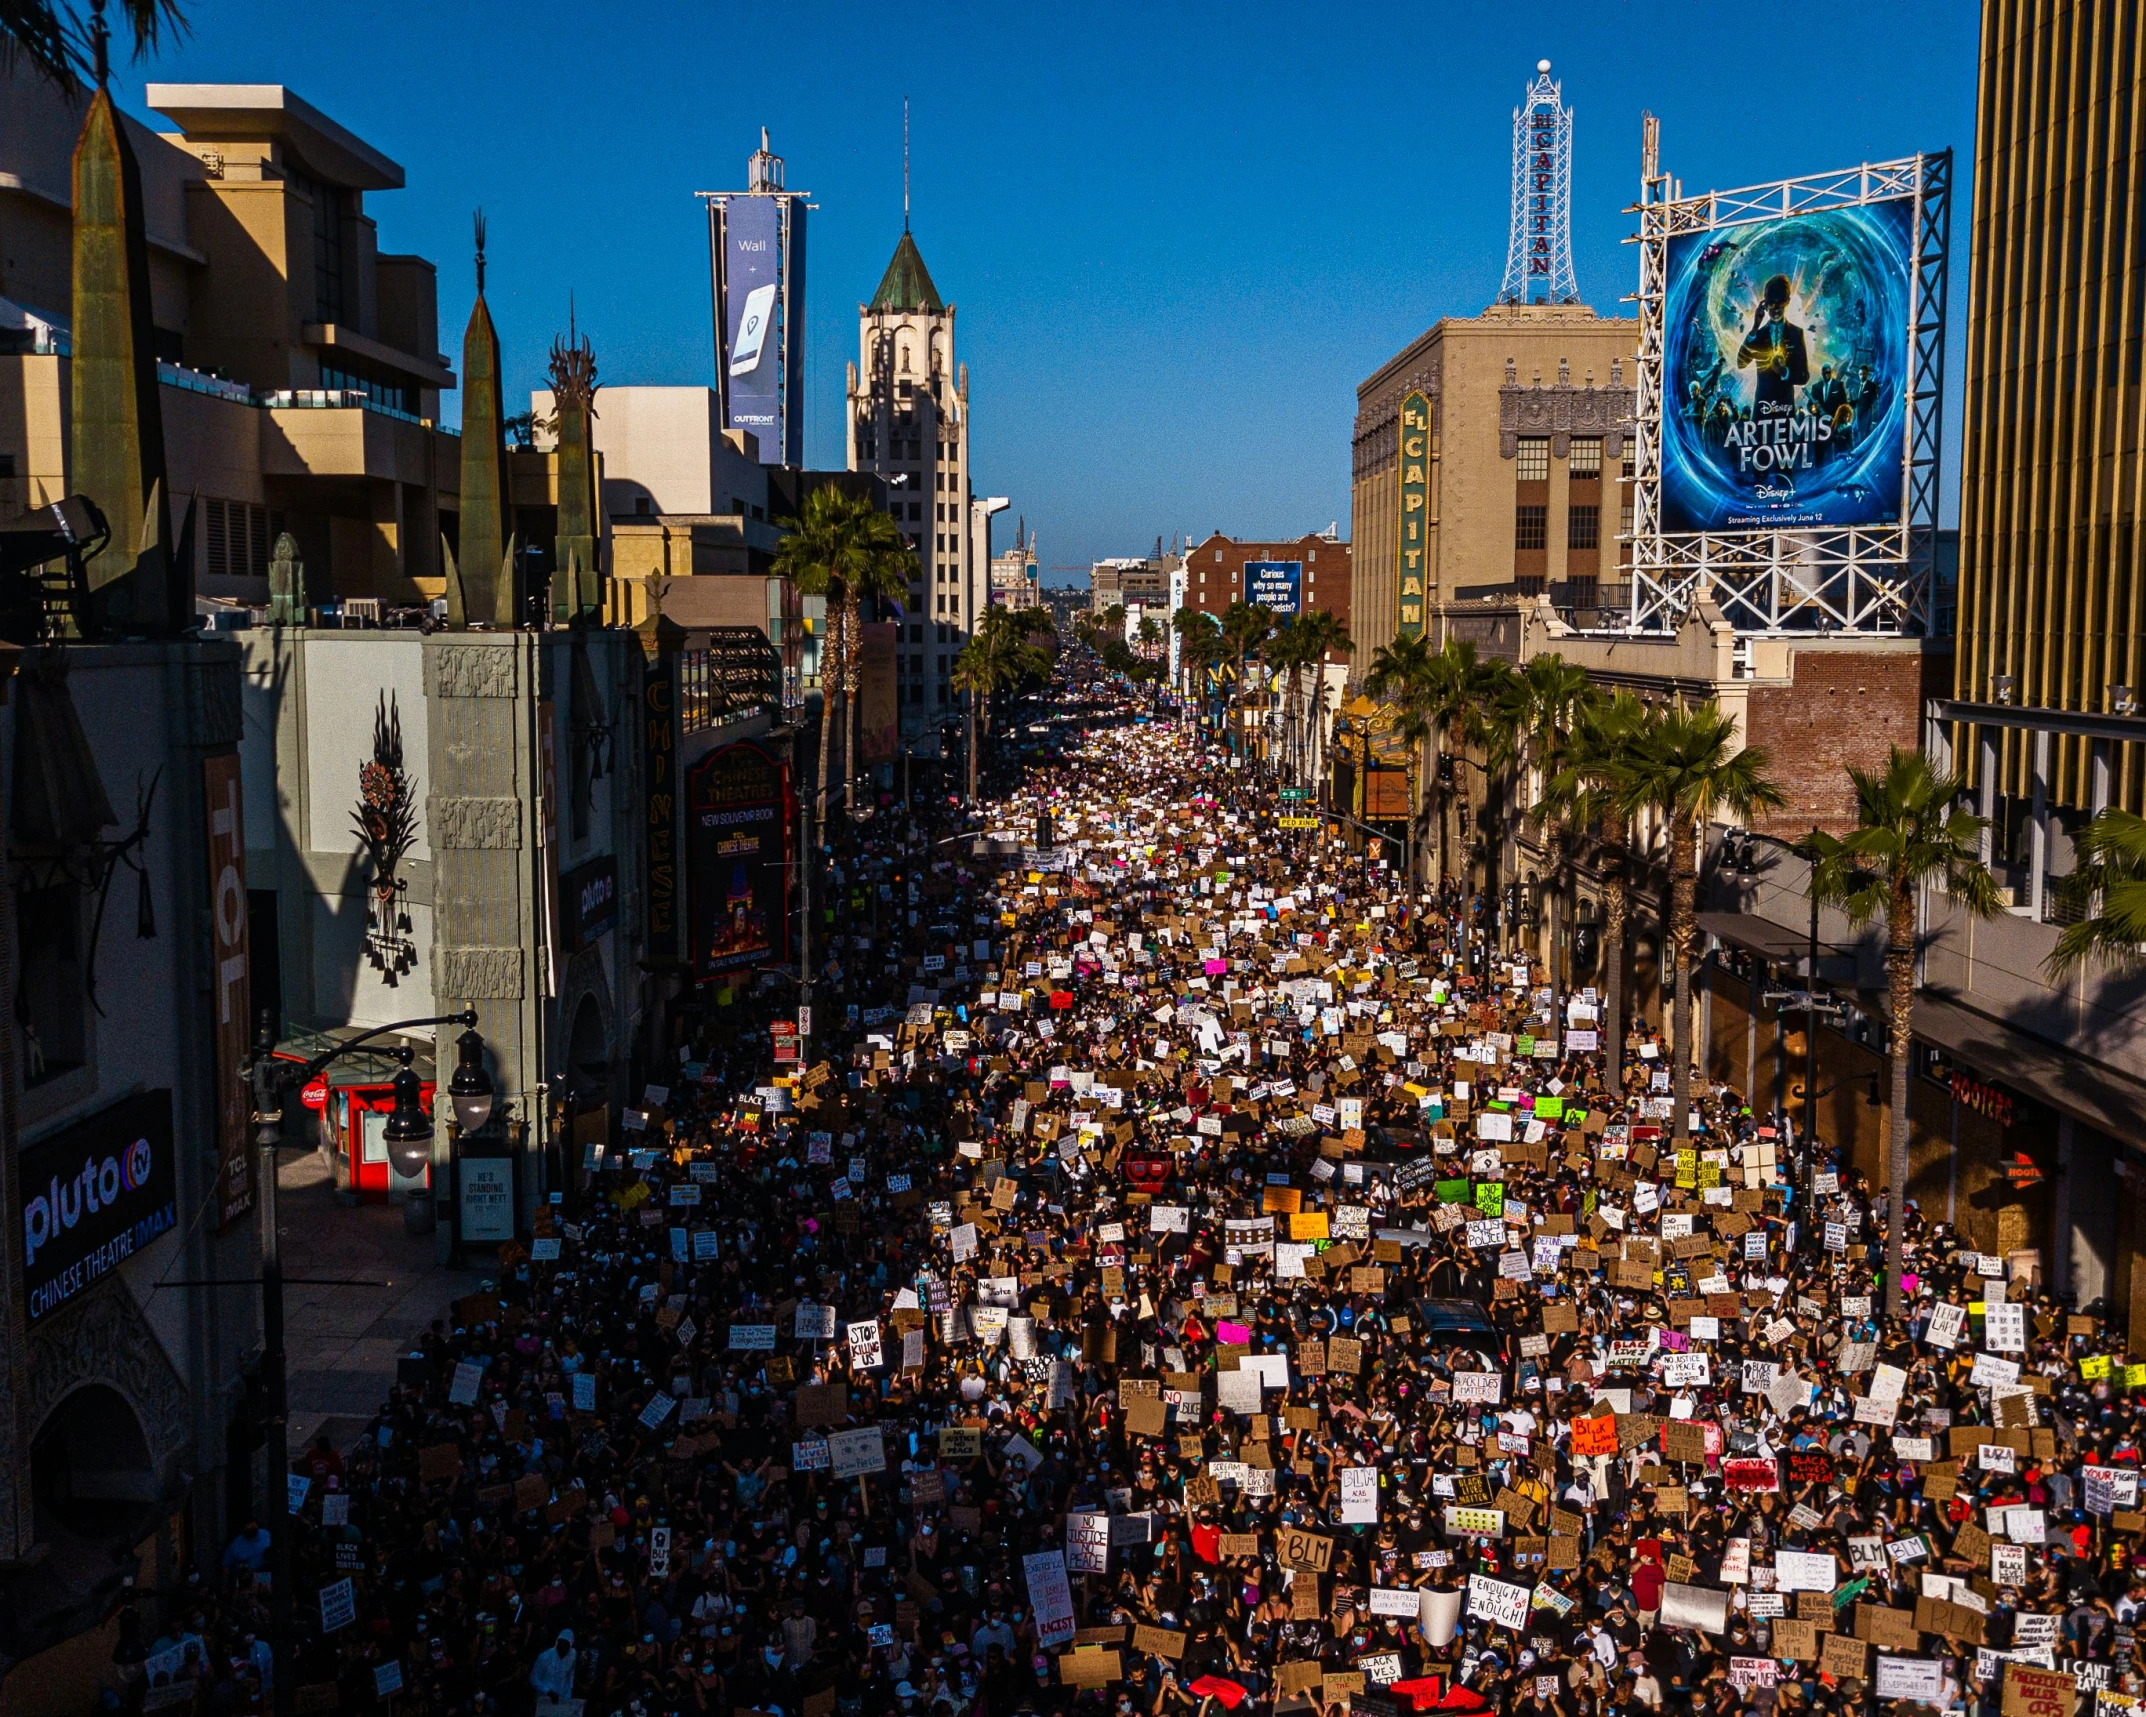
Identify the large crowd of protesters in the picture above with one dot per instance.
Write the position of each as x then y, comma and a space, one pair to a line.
1188, 1269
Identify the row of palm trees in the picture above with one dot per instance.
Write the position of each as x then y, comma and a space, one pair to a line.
1294, 649
1611, 774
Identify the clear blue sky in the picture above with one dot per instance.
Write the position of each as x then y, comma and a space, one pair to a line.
1178, 234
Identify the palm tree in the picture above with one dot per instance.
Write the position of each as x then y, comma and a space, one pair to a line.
1439, 695
1683, 766
888, 568
1585, 792
1322, 636
831, 551
998, 656
1245, 630
1199, 637
1533, 720
1909, 833
2110, 883
54, 41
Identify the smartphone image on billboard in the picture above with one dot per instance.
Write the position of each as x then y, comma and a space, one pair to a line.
751, 342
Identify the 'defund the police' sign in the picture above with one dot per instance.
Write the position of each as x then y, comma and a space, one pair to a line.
93, 1196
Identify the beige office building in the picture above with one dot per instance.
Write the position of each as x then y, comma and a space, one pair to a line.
300, 363
1527, 461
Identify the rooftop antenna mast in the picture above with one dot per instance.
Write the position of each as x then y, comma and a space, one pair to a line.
1538, 255
905, 163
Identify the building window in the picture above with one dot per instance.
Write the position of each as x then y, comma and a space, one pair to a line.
390, 396
1630, 462
1586, 458
1583, 527
1624, 520
1531, 527
328, 208
1532, 463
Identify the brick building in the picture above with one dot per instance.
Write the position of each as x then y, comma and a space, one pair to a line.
1214, 571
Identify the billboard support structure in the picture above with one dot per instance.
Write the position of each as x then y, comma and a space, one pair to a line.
1870, 579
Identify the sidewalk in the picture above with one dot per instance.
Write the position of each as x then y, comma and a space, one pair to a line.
343, 1341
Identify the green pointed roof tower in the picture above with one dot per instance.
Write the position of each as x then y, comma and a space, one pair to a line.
907, 283
481, 580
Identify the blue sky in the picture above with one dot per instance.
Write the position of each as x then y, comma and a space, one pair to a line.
1178, 235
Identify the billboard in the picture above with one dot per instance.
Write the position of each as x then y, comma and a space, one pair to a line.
1785, 371
879, 694
752, 319
93, 1196
1275, 585
738, 851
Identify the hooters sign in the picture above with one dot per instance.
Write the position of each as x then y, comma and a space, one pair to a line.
228, 979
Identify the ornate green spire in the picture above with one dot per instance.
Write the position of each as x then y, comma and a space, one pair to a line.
140, 583
481, 581
907, 283
576, 586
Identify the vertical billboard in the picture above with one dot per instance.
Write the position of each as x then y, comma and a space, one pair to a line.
230, 956
1275, 585
738, 851
752, 319
879, 693
1785, 371
1414, 540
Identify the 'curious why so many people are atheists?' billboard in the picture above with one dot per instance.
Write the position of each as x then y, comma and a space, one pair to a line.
1785, 371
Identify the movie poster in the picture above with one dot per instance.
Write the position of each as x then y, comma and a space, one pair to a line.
1785, 371
738, 850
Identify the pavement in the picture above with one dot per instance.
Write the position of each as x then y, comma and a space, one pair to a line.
343, 1341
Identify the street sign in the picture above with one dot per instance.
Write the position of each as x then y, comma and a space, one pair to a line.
1295, 795
1296, 822
804, 1022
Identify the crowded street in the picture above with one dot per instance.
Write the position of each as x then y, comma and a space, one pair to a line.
1186, 1270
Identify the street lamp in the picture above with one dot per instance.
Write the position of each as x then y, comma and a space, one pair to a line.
470, 1091
409, 1141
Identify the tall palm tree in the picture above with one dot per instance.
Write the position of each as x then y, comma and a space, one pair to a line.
1586, 793
1199, 639
1441, 696
1909, 834
998, 656
1323, 636
1533, 719
1685, 768
2110, 885
1246, 628
55, 41
831, 551
888, 568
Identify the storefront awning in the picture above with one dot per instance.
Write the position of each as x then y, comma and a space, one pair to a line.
1780, 944
2103, 1098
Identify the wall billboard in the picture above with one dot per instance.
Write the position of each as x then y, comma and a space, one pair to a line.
93, 1196
1785, 371
753, 329
738, 834
1275, 585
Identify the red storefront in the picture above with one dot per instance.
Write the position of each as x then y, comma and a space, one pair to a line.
351, 1103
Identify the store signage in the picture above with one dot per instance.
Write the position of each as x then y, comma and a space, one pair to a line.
1415, 524
93, 1196
589, 902
233, 1025
1983, 1099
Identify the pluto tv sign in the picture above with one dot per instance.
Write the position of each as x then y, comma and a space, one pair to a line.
93, 1196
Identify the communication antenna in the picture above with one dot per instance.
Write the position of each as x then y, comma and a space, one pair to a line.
905, 163
1538, 254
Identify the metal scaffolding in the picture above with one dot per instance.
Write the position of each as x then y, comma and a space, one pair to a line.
1538, 255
